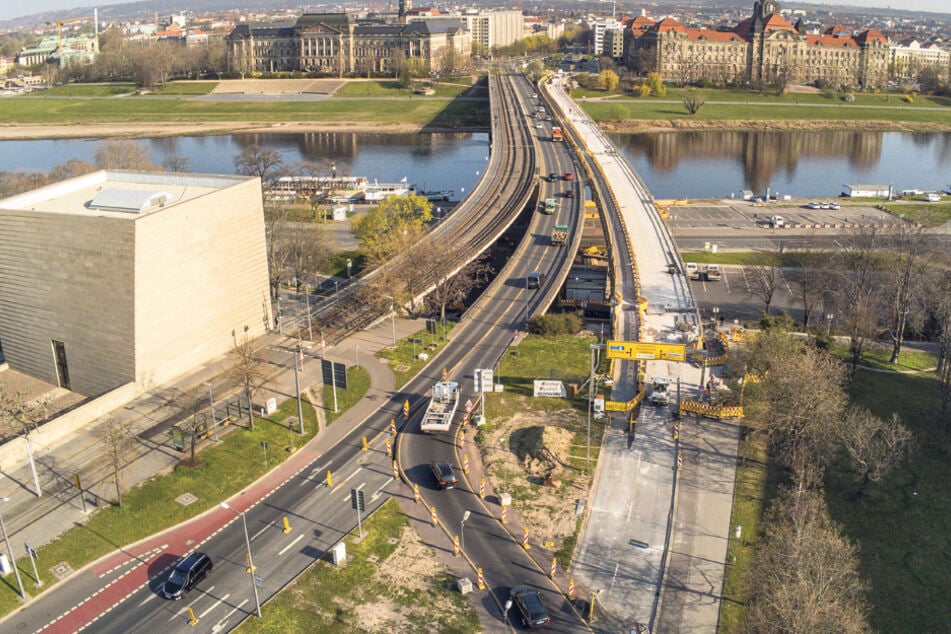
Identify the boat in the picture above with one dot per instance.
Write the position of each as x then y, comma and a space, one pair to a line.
438, 196
375, 192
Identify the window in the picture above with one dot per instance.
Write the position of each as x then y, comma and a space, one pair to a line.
62, 368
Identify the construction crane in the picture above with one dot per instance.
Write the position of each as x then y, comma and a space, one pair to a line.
59, 28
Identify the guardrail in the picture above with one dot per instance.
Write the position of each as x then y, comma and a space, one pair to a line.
706, 410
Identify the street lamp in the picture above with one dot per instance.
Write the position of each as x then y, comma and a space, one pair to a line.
13, 560
716, 315
462, 531
214, 423
349, 270
298, 355
247, 541
393, 318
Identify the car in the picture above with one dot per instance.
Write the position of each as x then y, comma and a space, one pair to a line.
186, 575
552, 176
445, 476
693, 271
529, 605
756, 199
825, 205
712, 274
834, 206
569, 176
814, 205
569, 193
539, 125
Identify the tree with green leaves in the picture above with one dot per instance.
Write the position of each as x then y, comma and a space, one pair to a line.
392, 226
608, 80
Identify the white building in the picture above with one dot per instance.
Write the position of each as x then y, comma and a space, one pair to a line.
912, 57
868, 191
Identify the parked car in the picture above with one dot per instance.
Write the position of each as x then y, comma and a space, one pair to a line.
813, 205
529, 605
693, 271
186, 575
833, 205
825, 205
713, 272
445, 476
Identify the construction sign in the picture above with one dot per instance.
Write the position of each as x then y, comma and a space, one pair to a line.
647, 351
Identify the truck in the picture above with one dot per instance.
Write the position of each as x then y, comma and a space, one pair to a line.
559, 236
556, 133
777, 222
660, 391
441, 408
550, 205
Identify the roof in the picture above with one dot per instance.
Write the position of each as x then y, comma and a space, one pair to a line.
130, 200
831, 40
669, 24
775, 22
871, 35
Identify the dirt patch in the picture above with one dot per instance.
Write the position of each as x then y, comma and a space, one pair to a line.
411, 566
530, 456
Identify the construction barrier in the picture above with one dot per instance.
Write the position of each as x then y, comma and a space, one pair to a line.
482, 488
571, 589
710, 411
554, 567
416, 496
480, 580
525, 543
503, 513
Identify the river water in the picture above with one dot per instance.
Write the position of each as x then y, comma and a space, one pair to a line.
673, 164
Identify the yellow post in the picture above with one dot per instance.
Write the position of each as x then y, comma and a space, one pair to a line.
416, 493
389, 448
192, 619
366, 445
406, 409
250, 568
287, 526
591, 617
330, 479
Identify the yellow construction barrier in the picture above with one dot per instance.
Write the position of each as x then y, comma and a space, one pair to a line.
710, 411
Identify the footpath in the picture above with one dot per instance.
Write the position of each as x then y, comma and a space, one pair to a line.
42, 519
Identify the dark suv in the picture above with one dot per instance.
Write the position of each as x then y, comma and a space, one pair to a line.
528, 602
186, 575
445, 476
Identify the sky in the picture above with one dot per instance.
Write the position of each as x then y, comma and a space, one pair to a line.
16, 8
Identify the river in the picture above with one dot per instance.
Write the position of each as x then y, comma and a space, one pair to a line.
707, 164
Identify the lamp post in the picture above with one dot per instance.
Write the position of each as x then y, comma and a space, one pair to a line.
211, 399
462, 531
336, 286
298, 353
829, 317
247, 541
716, 316
349, 270
13, 561
393, 318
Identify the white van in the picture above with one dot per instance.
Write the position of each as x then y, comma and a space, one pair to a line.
777, 222
933, 197
693, 271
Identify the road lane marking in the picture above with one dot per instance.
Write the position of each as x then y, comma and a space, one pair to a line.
313, 474
218, 602
376, 494
291, 545
233, 610
257, 534
147, 599
181, 612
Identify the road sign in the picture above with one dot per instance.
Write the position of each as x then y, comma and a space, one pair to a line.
484, 380
357, 501
30, 551
468, 406
334, 373
647, 351
258, 581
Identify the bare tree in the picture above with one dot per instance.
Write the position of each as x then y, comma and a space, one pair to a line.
763, 281
693, 102
277, 229
812, 266
939, 308
308, 247
875, 447
118, 440
453, 281
856, 291
263, 162
905, 265
248, 370
805, 576
123, 154
175, 163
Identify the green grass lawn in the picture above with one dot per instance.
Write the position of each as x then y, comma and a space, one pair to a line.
391, 88
927, 214
89, 90
563, 358
358, 382
334, 600
223, 470
186, 88
878, 356
406, 352
65, 111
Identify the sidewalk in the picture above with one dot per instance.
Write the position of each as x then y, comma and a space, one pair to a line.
40, 520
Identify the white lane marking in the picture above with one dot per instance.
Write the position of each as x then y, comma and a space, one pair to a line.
218, 602
147, 599
350, 476
291, 545
257, 534
376, 493
313, 474
233, 610
181, 612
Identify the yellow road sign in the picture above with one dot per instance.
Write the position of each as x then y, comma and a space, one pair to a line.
647, 351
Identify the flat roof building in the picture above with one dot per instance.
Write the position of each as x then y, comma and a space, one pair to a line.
116, 277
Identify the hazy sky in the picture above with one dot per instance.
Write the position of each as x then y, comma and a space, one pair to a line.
16, 8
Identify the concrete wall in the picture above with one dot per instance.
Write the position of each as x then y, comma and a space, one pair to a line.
69, 278
200, 274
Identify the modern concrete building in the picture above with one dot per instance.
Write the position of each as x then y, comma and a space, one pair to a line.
492, 29
120, 277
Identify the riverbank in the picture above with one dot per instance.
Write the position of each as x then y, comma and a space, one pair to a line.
629, 126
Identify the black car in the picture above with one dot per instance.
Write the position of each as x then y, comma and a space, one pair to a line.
445, 476
186, 575
529, 604
570, 193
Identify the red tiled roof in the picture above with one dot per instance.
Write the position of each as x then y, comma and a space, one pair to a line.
710, 35
669, 24
775, 22
872, 35
831, 40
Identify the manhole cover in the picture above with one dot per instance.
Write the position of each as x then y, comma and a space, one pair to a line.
392, 540
61, 570
402, 368
373, 559
186, 498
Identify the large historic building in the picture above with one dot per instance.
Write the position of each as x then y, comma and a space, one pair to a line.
115, 278
763, 49
337, 44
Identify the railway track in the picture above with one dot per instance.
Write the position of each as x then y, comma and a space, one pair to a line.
476, 224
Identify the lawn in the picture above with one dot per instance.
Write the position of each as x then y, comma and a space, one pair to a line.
223, 470
927, 214
333, 600
358, 382
186, 88
391, 88
739, 258
562, 358
89, 90
404, 359
879, 355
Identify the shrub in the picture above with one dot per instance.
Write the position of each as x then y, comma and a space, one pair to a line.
556, 324
781, 322
848, 98
907, 98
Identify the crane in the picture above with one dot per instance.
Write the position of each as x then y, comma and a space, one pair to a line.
59, 28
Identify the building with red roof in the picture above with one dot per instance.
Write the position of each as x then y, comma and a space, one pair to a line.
764, 49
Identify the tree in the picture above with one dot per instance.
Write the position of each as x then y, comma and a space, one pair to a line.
939, 309
411, 70
248, 370
308, 247
453, 284
763, 280
175, 163
805, 576
264, 162
277, 231
655, 84
905, 264
70, 169
392, 226
874, 447
608, 80
123, 154
811, 287
118, 441
693, 102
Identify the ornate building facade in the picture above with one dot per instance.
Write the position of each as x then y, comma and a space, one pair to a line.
336, 44
761, 50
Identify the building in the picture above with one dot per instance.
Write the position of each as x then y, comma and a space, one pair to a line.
67, 51
494, 29
119, 277
613, 42
910, 58
868, 191
337, 44
761, 50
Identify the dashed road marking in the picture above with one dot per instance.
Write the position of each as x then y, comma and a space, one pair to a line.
291, 545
